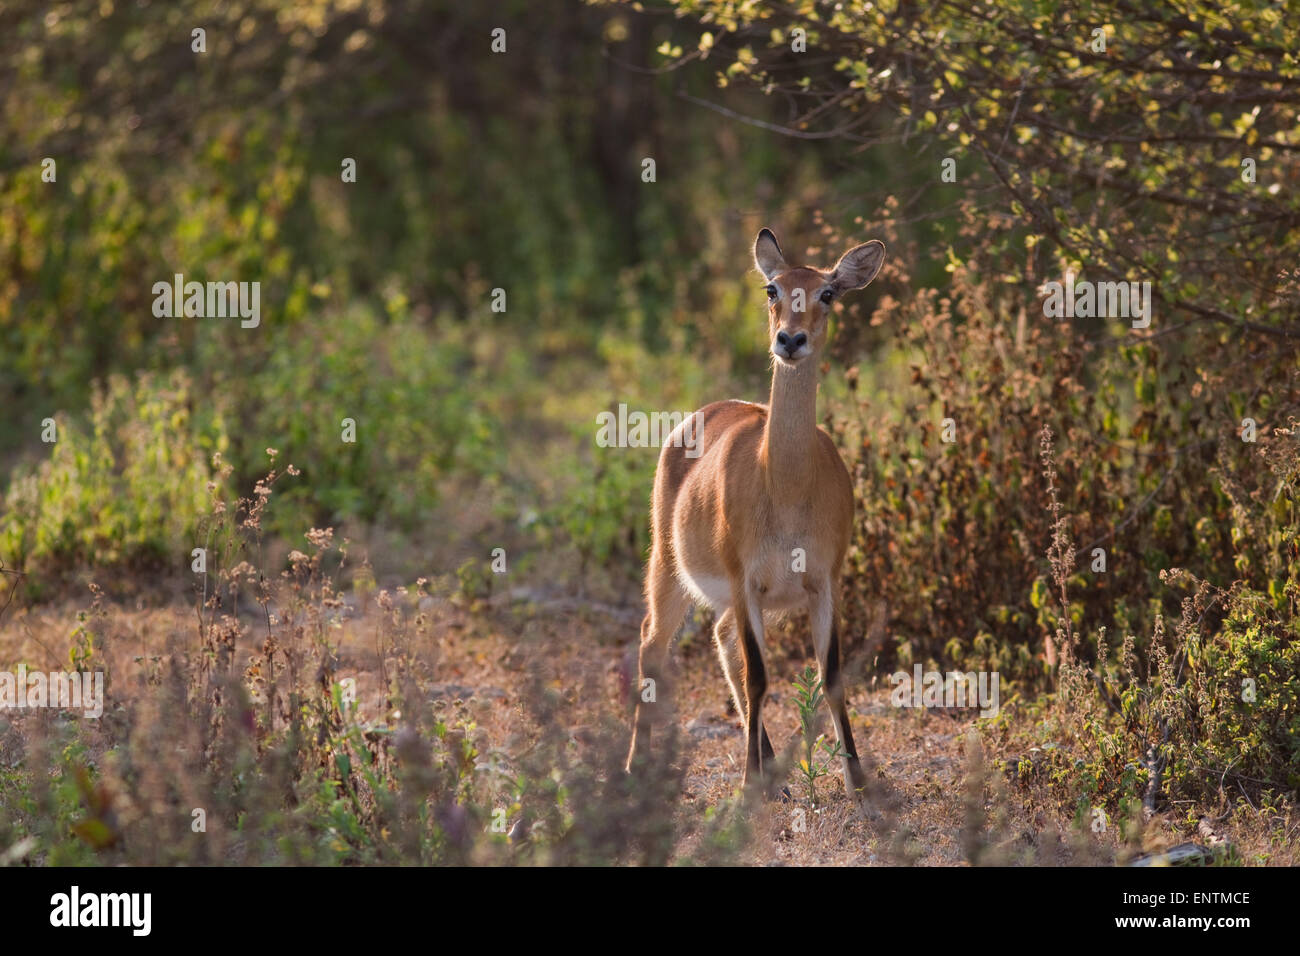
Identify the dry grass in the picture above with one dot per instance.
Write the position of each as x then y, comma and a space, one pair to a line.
480, 669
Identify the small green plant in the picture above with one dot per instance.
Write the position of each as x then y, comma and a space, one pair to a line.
818, 753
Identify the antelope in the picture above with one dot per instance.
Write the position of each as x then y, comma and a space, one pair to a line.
757, 517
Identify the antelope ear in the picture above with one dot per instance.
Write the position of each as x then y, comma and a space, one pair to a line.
858, 266
767, 255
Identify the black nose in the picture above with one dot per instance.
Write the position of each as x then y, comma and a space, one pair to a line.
791, 343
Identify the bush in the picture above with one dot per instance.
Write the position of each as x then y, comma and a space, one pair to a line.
1209, 711
412, 391
124, 488
951, 535
1241, 702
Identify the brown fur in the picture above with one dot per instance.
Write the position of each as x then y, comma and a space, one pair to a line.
766, 481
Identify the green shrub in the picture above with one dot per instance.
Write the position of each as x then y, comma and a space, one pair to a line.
124, 488
1211, 711
1242, 702
412, 391
951, 535
603, 519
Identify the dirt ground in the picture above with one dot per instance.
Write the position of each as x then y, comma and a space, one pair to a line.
483, 660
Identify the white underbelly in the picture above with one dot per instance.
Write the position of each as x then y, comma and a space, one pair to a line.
781, 594
714, 592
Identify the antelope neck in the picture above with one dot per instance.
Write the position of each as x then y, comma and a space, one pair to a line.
791, 431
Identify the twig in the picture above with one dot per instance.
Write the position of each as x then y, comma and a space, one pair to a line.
1155, 764
774, 127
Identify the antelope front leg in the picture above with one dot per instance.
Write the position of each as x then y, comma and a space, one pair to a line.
749, 625
826, 642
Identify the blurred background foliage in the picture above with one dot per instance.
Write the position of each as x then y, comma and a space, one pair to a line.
475, 171
522, 171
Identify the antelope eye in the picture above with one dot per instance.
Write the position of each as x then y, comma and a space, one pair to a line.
827, 295
771, 292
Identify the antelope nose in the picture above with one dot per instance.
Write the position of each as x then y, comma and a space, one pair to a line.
790, 344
